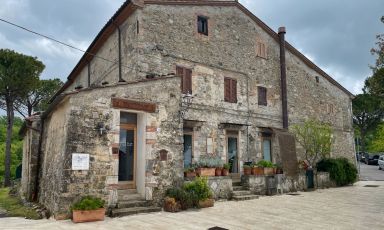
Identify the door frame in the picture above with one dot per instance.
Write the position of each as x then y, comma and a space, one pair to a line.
130, 184
231, 133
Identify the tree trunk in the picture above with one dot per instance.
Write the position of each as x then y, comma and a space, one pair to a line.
362, 140
7, 163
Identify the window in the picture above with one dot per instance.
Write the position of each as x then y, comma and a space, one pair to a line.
230, 90
317, 79
186, 79
262, 96
261, 49
202, 25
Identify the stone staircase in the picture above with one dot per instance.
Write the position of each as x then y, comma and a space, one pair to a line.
240, 193
130, 203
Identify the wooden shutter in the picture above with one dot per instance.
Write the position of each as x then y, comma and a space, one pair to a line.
262, 95
233, 91
227, 89
188, 81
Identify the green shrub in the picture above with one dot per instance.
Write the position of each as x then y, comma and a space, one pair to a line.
88, 203
265, 164
340, 170
181, 196
198, 189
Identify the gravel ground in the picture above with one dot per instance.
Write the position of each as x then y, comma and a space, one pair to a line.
351, 207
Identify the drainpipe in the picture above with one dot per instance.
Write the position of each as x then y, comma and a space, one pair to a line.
119, 41
283, 77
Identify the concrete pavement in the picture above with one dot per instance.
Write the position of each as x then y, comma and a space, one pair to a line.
371, 173
351, 207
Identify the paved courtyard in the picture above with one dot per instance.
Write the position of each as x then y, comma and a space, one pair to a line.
371, 172
352, 207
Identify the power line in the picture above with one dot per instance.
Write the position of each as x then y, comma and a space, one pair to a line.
68, 45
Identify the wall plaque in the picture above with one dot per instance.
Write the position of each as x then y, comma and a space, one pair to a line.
80, 161
134, 105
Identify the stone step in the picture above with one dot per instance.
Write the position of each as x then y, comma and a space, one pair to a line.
236, 183
246, 197
132, 203
125, 197
237, 188
132, 211
241, 193
126, 191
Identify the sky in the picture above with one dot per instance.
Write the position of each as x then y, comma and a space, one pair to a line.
335, 35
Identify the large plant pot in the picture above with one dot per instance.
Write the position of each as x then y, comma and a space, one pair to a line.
268, 171
247, 171
189, 174
225, 172
258, 171
206, 203
218, 171
170, 205
279, 171
206, 171
80, 216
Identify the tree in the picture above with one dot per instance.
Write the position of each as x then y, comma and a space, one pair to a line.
316, 138
379, 51
37, 99
377, 144
19, 74
367, 114
375, 84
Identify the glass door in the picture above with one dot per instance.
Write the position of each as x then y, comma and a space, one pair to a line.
233, 155
187, 150
267, 149
127, 154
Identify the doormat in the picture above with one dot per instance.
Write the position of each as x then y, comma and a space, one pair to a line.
217, 228
293, 194
371, 186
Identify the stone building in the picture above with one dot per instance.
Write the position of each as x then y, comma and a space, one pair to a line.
166, 83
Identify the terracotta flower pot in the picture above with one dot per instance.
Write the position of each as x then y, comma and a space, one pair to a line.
206, 171
170, 205
218, 171
206, 203
247, 171
258, 171
79, 216
279, 171
224, 172
274, 170
189, 174
268, 171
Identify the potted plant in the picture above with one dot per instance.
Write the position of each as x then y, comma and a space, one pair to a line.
257, 170
200, 192
88, 209
225, 170
206, 167
279, 169
189, 172
267, 165
247, 169
219, 167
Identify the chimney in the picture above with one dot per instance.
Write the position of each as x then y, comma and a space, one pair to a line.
283, 77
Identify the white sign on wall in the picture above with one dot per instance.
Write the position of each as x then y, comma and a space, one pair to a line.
80, 161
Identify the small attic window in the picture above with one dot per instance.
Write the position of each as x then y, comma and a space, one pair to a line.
202, 25
261, 49
317, 79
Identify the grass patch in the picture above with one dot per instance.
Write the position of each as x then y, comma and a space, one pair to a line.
14, 207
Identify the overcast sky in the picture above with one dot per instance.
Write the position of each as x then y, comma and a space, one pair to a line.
336, 34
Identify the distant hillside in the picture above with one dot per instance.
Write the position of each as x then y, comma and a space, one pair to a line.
17, 146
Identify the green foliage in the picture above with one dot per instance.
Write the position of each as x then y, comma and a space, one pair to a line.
265, 164
14, 206
227, 166
209, 162
16, 148
376, 144
191, 193
375, 84
316, 138
88, 203
379, 50
341, 170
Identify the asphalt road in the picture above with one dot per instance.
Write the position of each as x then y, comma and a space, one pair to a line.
371, 173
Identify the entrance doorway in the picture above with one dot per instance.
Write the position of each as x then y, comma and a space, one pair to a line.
232, 156
127, 151
267, 149
188, 155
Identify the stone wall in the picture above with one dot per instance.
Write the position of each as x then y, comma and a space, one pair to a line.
221, 187
284, 184
30, 155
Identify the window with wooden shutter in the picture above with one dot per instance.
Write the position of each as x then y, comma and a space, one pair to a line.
186, 79
261, 49
262, 95
230, 90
